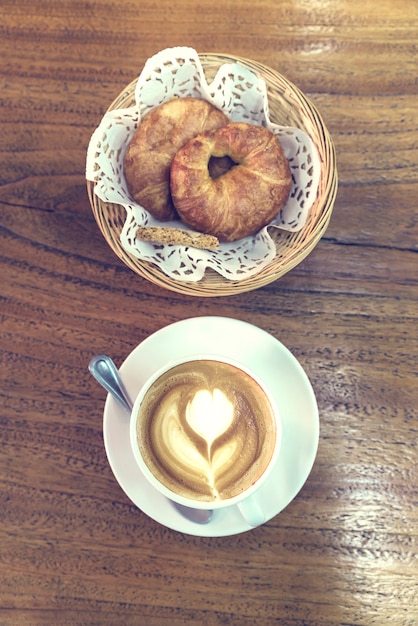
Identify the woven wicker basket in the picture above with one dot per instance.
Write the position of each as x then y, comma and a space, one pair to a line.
288, 107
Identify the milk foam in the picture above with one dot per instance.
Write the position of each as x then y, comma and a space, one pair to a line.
207, 430
209, 414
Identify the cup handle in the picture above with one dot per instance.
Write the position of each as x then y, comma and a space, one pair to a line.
252, 512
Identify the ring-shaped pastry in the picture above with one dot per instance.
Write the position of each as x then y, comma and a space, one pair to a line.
241, 201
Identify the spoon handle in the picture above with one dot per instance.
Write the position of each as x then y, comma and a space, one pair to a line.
106, 373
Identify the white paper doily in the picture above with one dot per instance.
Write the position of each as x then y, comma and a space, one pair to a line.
177, 72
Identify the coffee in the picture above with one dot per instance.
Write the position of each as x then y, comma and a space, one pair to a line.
206, 430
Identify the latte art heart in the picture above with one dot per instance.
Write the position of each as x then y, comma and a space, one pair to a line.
210, 414
206, 430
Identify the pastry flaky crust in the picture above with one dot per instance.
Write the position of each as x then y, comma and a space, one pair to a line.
163, 131
245, 198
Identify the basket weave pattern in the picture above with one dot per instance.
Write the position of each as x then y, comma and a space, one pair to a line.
287, 106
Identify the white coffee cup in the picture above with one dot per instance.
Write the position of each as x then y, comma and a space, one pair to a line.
207, 424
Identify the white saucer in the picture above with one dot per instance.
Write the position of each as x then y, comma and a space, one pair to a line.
268, 358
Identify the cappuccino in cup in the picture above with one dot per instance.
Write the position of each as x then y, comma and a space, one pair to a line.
206, 430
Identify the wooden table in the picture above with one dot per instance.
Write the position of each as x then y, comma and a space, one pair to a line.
73, 548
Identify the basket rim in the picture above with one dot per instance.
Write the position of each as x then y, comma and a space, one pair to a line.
301, 242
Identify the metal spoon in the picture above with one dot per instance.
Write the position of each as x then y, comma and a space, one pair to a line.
103, 369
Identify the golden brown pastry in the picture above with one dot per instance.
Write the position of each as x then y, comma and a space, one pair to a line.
245, 198
161, 132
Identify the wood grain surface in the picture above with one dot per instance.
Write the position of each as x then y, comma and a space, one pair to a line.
73, 548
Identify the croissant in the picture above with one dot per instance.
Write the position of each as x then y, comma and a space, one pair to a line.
240, 201
161, 132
